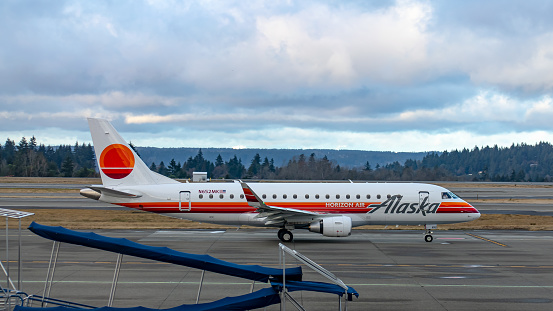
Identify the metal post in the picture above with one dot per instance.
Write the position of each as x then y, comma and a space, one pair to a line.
251, 288
51, 270
19, 260
346, 301
8, 266
115, 279
7, 256
200, 287
283, 292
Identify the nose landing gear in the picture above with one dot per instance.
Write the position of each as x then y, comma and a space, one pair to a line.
428, 232
428, 237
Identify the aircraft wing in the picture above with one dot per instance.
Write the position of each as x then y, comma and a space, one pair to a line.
274, 215
114, 193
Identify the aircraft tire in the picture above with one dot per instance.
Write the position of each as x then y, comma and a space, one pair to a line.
285, 235
428, 238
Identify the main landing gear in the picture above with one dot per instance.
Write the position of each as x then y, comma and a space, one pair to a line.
285, 235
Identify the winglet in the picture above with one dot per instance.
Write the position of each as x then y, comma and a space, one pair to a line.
253, 199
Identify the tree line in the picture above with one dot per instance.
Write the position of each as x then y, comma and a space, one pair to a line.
517, 163
29, 159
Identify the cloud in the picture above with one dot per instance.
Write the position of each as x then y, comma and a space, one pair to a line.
235, 70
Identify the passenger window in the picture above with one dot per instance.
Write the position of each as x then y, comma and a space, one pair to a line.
274, 196
232, 196
264, 196
201, 196
241, 196
378, 196
307, 196
221, 196
327, 196
295, 196
347, 196
358, 196
337, 196
211, 196
284, 196
368, 196
388, 196
316, 196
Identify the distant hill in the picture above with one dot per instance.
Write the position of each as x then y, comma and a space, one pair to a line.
346, 158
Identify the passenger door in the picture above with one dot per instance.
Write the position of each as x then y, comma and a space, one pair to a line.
185, 202
424, 196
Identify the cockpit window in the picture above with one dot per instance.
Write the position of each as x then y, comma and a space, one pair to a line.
449, 195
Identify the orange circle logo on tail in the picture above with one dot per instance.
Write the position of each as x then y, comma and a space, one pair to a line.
117, 161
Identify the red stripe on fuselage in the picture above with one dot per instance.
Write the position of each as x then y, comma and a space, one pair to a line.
457, 210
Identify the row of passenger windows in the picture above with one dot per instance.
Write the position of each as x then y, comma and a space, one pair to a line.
295, 196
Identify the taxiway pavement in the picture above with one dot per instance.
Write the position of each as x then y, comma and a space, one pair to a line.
391, 270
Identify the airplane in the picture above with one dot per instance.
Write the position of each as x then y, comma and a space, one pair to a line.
331, 209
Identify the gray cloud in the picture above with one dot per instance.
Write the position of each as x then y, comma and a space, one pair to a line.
235, 69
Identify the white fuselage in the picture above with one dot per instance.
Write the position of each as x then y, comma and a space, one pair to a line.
364, 203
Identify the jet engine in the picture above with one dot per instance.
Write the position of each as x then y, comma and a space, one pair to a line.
337, 226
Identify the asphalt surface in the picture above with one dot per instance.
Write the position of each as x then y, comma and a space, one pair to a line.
391, 270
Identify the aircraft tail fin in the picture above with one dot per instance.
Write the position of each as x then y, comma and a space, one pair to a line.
119, 165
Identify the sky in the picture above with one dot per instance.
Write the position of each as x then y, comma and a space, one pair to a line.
362, 75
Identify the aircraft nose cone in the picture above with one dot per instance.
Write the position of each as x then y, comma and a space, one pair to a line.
475, 214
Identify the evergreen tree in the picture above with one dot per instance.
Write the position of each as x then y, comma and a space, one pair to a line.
255, 166
162, 169
67, 167
235, 168
173, 168
219, 160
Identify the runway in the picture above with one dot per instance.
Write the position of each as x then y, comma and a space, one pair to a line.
392, 270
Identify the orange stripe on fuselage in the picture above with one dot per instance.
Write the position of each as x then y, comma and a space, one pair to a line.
455, 204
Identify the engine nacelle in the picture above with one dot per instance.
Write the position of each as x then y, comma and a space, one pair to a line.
332, 226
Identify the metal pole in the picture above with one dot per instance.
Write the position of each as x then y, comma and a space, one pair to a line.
346, 301
50, 274
7, 256
200, 287
8, 266
280, 253
4, 269
251, 289
19, 260
283, 293
115, 279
